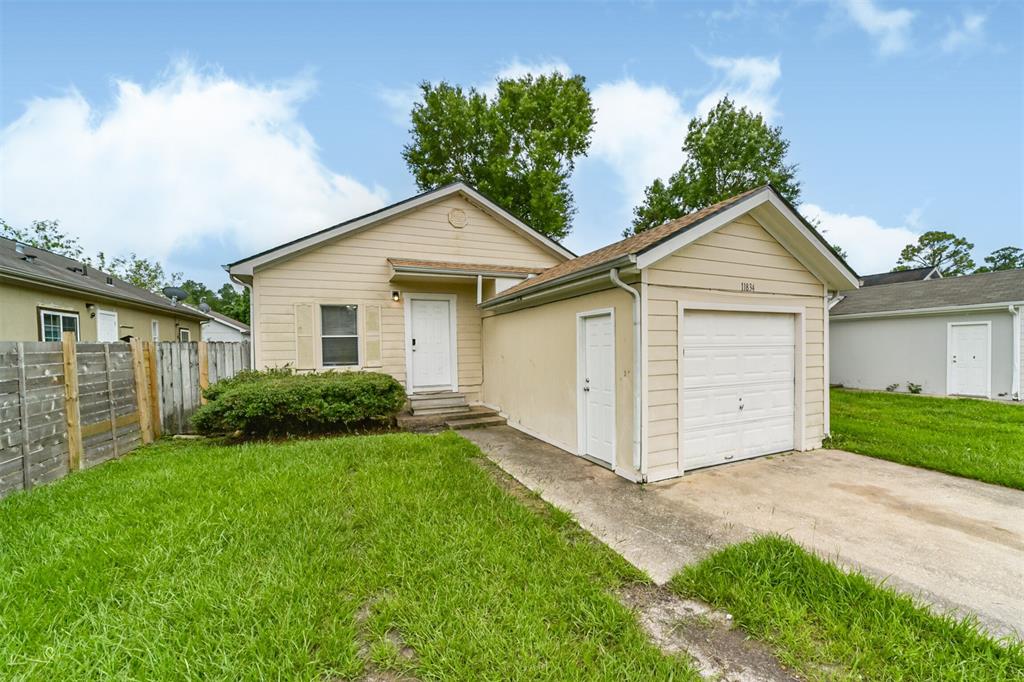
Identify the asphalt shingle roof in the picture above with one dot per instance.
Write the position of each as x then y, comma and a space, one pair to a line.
46, 267
913, 275
1004, 286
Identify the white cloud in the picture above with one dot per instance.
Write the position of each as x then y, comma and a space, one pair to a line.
871, 247
969, 33
749, 81
891, 28
399, 102
639, 132
196, 157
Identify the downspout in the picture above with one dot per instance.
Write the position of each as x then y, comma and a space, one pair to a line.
1015, 381
637, 370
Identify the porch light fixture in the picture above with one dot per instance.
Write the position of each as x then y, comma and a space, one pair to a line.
395, 296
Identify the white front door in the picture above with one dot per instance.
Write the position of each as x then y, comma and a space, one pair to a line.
597, 389
737, 385
106, 326
969, 359
430, 328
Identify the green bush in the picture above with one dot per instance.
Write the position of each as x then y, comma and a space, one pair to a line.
277, 403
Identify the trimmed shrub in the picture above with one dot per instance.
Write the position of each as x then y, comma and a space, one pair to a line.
277, 403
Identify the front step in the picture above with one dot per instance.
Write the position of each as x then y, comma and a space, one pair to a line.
437, 403
477, 419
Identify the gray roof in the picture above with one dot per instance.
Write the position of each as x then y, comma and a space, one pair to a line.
230, 321
912, 275
46, 268
1004, 286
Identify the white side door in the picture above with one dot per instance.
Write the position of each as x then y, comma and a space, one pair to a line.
738, 389
969, 347
106, 326
597, 390
431, 343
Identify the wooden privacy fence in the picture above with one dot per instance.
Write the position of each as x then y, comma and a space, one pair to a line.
185, 369
67, 406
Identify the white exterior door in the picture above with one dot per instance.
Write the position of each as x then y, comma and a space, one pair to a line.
106, 326
430, 322
969, 359
738, 378
597, 389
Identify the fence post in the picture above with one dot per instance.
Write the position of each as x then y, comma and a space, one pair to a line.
110, 399
141, 392
204, 370
156, 417
72, 415
26, 473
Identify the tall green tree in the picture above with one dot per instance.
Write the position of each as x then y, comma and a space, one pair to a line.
1006, 258
518, 147
727, 152
44, 234
946, 251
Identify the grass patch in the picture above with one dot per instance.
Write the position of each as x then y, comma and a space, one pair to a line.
978, 439
308, 560
828, 624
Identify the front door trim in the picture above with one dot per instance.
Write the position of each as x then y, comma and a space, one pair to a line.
799, 365
452, 337
949, 356
581, 370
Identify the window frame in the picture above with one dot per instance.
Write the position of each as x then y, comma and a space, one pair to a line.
184, 331
357, 336
61, 314
154, 329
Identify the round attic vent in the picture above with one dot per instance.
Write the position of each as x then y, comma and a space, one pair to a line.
457, 217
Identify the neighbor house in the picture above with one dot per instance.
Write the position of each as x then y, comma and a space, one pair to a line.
950, 335
223, 328
43, 294
897, 276
697, 342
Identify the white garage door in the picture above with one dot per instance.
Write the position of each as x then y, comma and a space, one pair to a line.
738, 385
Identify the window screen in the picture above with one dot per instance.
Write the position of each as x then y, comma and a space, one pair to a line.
339, 336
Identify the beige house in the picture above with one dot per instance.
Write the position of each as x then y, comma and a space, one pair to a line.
698, 342
43, 294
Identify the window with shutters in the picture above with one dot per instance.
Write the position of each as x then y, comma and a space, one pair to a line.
339, 335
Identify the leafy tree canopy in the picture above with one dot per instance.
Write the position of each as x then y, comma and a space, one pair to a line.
1006, 258
946, 251
727, 152
44, 234
518, 147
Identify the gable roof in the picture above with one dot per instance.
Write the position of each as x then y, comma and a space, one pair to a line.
993, 289
245, 266
41, 267
664, 236
911, 275
229, 321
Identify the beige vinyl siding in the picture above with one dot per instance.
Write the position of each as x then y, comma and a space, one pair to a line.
353, 269
711, 270
530, 369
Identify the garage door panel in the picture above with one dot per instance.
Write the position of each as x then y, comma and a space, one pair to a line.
738, 385
709, 366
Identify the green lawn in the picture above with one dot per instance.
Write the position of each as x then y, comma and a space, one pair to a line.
828, 624
311, 560
977, 439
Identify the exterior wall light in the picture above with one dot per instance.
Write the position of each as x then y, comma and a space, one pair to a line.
395, 296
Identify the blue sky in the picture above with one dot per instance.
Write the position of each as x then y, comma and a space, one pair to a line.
198, 133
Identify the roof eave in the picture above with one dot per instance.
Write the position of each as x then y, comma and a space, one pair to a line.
936, 310
544, 287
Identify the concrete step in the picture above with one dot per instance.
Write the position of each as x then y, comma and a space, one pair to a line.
444, 409
432, 403
476, 420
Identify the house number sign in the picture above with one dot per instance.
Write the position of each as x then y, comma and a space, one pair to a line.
747, 287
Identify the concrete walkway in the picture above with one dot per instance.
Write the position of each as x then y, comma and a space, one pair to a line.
953, 542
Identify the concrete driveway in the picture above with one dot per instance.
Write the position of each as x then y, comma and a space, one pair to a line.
955, 543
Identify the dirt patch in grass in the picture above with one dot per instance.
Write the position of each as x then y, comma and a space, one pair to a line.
720, 650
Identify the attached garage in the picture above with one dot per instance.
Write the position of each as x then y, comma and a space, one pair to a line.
697, 343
